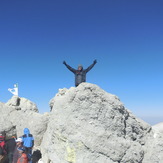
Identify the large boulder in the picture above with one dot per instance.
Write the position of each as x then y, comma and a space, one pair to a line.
89, 125
20, 103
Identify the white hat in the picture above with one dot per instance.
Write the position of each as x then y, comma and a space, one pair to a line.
19, 140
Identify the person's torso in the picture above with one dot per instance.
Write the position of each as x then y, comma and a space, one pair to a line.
27, 140
10, 145
80, 76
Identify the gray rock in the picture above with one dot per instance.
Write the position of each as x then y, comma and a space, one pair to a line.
60, 93
158, 127
85, 125
89, 125
19, 113
20, 103
154, 148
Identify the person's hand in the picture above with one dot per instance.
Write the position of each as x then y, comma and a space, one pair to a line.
95, 61
64, 62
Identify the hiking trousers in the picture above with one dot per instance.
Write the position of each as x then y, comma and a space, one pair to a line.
28, 152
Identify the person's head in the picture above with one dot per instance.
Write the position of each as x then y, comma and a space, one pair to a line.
26, 131
19, 142
80, 67
13, 137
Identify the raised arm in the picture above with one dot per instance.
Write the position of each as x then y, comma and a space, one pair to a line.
91, 66
69, 67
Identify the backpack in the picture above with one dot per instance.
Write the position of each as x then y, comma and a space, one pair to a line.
2, 145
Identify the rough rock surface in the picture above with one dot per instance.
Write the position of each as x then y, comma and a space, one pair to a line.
158, 127
89, 125
85, 125
19, 113
154, 150
22, 104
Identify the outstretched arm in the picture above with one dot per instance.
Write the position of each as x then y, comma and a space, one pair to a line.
69, 67
91, 66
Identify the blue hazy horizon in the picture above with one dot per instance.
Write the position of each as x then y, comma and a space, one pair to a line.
124, 36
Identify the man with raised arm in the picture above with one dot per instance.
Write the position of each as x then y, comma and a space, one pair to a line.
80, 73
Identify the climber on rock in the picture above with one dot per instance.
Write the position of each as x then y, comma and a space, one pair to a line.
80, 73
16, 152
28, 143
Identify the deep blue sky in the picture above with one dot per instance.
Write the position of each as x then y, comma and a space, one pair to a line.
125, 36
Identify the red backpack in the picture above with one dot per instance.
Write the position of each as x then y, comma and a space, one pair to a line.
2, 144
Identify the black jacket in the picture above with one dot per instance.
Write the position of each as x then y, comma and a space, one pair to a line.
10, 145
80, 75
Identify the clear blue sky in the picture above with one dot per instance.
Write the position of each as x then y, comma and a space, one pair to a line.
125, 36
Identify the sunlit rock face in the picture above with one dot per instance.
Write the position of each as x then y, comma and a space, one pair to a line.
85, 125
89, 125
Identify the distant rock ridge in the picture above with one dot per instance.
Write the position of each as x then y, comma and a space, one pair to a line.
158, 127
86, 125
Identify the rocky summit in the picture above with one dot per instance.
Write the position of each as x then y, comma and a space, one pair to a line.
86, 125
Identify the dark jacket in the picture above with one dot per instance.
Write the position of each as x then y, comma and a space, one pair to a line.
10, 145
80, 75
